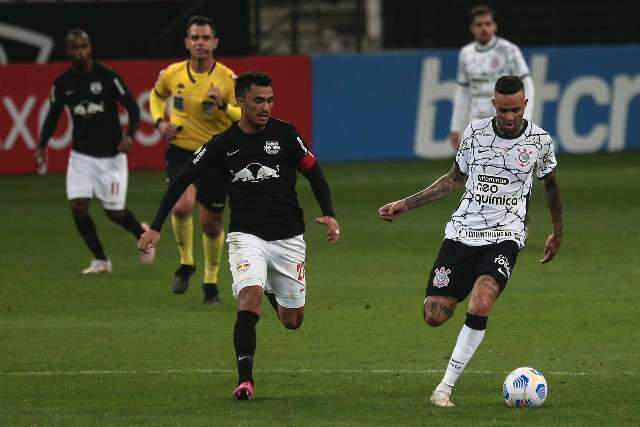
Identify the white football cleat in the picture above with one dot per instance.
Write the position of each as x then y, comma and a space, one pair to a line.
442, 397
98, 266
147, 257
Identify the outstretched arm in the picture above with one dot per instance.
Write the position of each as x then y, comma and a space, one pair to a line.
321, 191
552, 195
187, 175
441, 188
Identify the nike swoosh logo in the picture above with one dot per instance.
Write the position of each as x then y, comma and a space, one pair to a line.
231, 153
243, 357
502, 272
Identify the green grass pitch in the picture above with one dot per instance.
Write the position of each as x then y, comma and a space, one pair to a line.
122, 350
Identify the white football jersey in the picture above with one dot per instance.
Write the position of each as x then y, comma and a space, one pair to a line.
500, 174
479, 67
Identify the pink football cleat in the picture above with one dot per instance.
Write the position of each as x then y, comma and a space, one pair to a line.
244, 391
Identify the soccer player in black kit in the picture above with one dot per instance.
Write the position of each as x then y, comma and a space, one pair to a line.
98, 160
258, 158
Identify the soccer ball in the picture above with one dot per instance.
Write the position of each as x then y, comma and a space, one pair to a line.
524, 387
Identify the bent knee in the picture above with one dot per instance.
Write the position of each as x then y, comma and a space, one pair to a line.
114, 215
291, 323
212, 228
435, 320
182, 211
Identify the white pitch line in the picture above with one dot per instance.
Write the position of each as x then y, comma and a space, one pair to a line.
283, 371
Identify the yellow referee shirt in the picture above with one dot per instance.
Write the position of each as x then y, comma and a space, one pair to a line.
192, 106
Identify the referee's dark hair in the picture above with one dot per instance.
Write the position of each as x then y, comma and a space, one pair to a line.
201, 20
246, 79
481, 10
508, 85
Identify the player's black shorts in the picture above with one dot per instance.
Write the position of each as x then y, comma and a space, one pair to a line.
211, 192
458, 266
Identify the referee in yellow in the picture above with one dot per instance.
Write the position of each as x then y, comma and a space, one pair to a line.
202, 105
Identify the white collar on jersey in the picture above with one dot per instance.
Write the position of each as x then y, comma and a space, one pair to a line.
485, 47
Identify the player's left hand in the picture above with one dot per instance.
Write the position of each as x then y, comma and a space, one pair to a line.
333, 229
126, 144
148, 240
216, 94
551, 247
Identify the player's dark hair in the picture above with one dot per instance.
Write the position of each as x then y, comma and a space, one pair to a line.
246, 79
481, 11
76, 32
201, 20
508, 85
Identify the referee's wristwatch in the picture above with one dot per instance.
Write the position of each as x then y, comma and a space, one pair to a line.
156, 123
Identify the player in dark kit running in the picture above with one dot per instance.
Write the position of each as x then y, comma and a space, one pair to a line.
98, 160
258, 158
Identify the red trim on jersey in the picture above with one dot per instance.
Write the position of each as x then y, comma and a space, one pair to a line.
306, 162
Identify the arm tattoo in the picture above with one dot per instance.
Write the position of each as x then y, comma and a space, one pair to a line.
439, 189
552, 195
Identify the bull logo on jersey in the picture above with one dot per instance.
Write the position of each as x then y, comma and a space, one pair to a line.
255, 172
524, 157
272, 147
95, 87
441, 278
87, 109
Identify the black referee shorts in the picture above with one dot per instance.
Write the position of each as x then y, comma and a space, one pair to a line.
458, 266
211, 192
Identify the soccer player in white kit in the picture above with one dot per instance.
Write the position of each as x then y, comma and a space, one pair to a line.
480, 64
496, 163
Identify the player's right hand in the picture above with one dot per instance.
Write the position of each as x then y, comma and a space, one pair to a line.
148, 240
391, 210
41, 160
454, 137
168, 130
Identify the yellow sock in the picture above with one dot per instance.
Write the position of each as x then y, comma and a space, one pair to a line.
212, 254
183, 230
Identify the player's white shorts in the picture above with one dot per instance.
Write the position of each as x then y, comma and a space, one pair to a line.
104, 177
276, 266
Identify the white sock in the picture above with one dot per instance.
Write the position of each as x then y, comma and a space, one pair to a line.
468, 341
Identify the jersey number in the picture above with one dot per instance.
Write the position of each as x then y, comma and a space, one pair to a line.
300, 268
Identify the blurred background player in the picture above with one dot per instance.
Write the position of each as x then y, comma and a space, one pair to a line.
203, 105
98, 160
496, 163
480, 64
260, 158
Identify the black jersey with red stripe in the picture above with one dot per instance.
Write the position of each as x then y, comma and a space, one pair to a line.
260, 172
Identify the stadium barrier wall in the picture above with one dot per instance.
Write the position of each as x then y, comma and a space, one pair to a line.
24, 91
398, 105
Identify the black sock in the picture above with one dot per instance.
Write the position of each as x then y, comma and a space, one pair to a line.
87, 229
272, 300
244, 341
479, 323
127, 221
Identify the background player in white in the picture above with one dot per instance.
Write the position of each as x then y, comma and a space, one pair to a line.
480, 64
258, 158
497, 160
